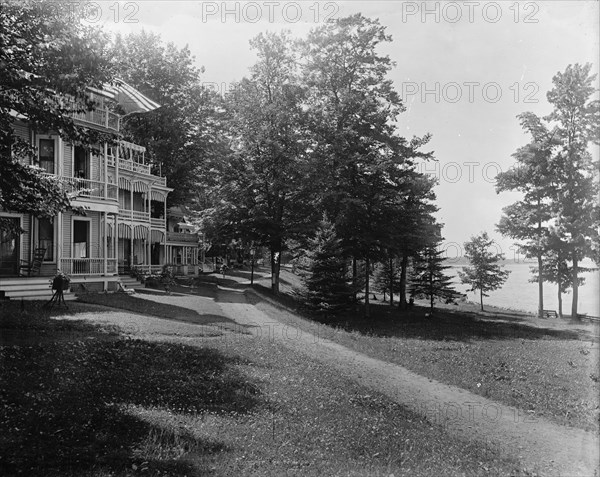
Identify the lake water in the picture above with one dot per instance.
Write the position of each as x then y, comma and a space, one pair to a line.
519, 294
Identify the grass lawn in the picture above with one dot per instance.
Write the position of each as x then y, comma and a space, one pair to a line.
77, 399
546, 372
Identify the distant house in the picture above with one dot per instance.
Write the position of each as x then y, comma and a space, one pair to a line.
125, 224
183, 247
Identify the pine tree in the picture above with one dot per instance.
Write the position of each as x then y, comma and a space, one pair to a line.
484, 274
387, 278
428, 278
327, 288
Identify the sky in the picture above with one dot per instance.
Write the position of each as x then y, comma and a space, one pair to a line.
465, 70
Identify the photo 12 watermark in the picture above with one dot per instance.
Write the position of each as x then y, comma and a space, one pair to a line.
453, 172
454, 252
92, 12
471, 12
469, 91
268, 12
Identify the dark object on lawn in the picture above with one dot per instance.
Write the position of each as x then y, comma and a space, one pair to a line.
60, 283
550, 314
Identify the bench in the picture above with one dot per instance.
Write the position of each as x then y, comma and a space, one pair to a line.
550, 314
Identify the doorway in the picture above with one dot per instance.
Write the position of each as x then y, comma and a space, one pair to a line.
10, 248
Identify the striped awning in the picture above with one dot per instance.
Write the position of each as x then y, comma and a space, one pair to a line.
139, 186
124, 183
157, 236
158, 195
130, 99
124, 231
140, 232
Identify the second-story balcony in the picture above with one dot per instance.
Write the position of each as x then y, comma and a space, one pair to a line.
134, 215
98, 117
89, 189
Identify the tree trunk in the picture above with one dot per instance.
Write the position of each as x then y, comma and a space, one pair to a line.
540, 288
431, 296
402, 291
275, 268
391, 282
367, 307
575, 286
354, 279
560, 313
481, 299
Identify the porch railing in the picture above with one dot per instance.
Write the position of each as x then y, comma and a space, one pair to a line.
157, 222
134, 166
91, 189
134, 215
88, 266
100, 117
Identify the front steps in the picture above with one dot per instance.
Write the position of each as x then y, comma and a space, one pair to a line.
29, 288
130, 283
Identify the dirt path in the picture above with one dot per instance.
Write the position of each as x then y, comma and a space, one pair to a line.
540, 445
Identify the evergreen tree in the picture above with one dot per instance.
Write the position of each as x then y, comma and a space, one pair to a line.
352, 109
484, 274
327, 288
387, 278
428, 278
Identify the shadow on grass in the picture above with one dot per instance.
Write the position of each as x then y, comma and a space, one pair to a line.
150, 307
386, 321
444, 326
73, 406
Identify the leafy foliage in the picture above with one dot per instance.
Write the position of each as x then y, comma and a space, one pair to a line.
48, 60
559, 178
484, 274
183, 137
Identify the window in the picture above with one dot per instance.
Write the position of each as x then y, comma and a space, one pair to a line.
46, 155
80, 239
81, 163
46, 238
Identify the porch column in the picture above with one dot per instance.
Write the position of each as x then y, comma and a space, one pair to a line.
59, 239
105, 243
106, 171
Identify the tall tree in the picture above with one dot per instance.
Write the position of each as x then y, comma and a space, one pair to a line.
484, 274
183, 137
48, 58
428, 277
267, 196
575, 120
352, 108
526, 220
